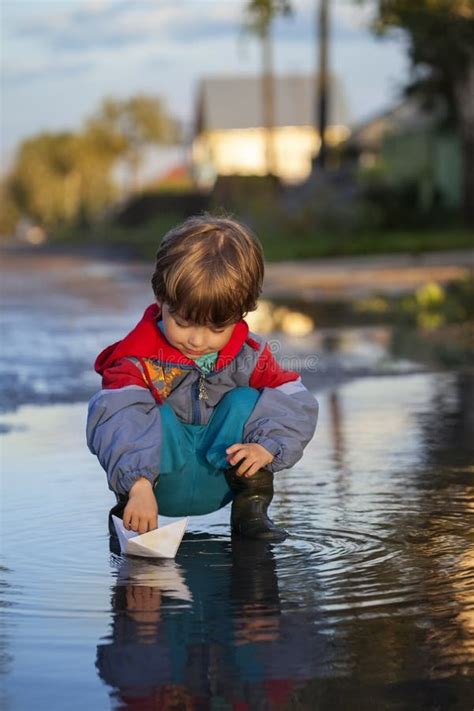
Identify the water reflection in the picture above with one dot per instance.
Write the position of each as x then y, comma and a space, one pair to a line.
235, 624
218, 634
449, 425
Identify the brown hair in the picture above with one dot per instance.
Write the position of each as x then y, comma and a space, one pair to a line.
209, 270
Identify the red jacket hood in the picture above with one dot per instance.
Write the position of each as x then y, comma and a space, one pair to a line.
147, 341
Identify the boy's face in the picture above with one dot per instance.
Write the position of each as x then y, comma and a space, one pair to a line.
191, 339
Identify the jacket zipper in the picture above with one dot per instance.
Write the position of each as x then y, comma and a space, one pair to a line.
199, 393
202, 387
195, 402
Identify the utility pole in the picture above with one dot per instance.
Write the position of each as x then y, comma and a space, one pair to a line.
268, 100
322, 78
260, 15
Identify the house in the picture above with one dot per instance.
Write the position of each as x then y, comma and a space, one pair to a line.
230, 138
408, 145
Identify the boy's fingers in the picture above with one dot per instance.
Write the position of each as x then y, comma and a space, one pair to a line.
250, 469
253, 470
245, 466
151, 523
233, 447
235, 455
142, 526
236, 459
242, 465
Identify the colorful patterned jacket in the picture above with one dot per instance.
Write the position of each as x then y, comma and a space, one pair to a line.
143, 371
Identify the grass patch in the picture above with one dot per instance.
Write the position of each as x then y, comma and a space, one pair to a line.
140, 242
283, 245
279, 244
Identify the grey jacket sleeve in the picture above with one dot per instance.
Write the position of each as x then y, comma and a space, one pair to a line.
124, 431
283, 421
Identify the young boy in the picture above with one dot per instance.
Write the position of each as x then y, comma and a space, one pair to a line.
194, 410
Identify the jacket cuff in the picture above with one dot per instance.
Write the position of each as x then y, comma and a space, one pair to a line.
126, 480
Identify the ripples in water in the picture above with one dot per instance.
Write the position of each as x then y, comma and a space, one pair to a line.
370, 598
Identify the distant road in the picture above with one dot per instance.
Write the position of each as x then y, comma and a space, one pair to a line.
328, 279
355, 277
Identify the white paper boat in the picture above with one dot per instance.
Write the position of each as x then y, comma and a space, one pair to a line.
163, 542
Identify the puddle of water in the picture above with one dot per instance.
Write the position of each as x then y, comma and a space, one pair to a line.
368, 604
67, 309
372, 595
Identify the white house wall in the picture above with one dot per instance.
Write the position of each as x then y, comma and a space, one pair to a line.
242, 152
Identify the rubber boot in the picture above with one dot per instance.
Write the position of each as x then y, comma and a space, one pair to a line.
117, 510
252, 497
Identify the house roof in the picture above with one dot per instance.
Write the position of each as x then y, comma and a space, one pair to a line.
407, 115
228, 102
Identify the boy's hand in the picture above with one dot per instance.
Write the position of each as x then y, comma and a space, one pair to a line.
254, 457
141, 512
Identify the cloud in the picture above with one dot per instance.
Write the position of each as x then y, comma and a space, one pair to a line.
79, 29
30, 71
120, 24
79, 26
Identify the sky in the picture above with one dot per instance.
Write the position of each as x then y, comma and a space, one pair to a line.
60, 59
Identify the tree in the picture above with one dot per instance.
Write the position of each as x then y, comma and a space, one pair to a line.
9, 212
66, 177
441, 47
44, 180
58, 178
135, 123
259, 16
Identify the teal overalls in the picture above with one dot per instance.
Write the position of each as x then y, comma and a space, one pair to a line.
193, 457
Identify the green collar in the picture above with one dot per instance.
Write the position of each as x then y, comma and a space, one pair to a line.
206, 363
